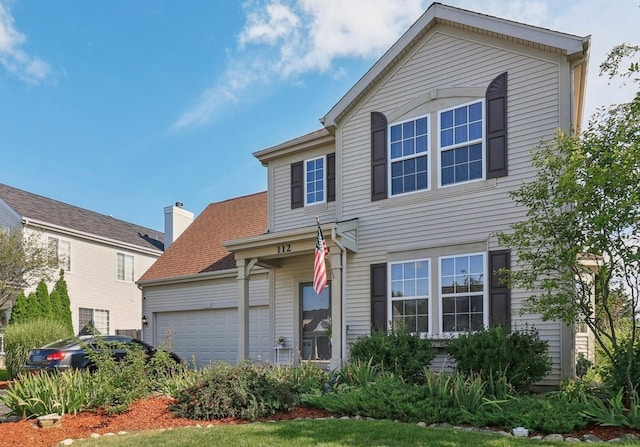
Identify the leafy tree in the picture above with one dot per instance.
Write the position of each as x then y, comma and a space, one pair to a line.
43, 301
60, 287
582, 228
24, 259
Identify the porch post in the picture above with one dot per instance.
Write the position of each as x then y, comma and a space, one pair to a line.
244, 268
336, 308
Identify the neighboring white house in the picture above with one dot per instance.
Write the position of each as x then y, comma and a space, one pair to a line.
102, 257
410, 178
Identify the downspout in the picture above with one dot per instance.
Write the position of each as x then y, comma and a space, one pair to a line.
581, 64
343, 252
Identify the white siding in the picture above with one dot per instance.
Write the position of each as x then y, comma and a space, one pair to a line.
92, 283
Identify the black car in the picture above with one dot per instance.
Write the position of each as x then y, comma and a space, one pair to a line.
72, 352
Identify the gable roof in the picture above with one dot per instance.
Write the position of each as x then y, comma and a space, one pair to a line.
42, 211
438, 13
200, 248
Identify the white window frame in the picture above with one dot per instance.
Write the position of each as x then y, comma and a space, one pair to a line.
484, 293
324, 180
127, 276
391, 299
467, 143
415, 155
99, 317
62, 251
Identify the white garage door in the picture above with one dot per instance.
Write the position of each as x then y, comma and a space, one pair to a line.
203, 336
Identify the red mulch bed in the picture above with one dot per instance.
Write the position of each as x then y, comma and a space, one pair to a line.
142, 415
153, 413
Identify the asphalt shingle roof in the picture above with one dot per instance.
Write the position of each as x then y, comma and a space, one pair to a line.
200, 247
36, 207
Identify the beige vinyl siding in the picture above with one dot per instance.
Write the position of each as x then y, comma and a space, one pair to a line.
283, 217
456, 214
218, 293
286, 311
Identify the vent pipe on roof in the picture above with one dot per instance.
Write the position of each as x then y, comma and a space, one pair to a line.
176, 220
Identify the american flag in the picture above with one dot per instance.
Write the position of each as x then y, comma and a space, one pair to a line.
319, 268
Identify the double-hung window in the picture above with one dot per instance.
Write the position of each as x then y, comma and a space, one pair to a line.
90, 319
409, 153
315, 181
460, 137
463, 290
61, 249
410, 295
124, 269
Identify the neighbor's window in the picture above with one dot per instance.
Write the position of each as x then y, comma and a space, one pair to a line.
461, 143
408, 155
316, 323
124, 270
410, 295
61, 249
462, 293
314, 181
96, 318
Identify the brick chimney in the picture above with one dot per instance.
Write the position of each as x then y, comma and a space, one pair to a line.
176, 220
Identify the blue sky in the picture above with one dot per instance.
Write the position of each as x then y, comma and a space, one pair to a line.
124, 107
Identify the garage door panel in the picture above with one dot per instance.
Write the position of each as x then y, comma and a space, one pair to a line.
203, 336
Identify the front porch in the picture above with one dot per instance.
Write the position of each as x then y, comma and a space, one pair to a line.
312, 325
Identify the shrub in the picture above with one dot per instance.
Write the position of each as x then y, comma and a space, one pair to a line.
583, 365
306, 378
118, 382
398, 352
625, 365
521, 356
22, 337
39, 394
243, 391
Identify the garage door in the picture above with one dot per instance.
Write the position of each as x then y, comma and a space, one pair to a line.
203, 336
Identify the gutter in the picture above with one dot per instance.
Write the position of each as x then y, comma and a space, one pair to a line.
68, 231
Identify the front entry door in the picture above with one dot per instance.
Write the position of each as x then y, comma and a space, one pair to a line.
316, 323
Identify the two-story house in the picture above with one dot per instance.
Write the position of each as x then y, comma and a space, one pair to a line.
410, 178
102, 257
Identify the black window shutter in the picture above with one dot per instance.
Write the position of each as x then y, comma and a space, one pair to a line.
297, 185
496, 112
331, 177
378, 156
379, 297
499, 292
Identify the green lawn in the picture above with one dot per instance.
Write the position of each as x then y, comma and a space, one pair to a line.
326, 433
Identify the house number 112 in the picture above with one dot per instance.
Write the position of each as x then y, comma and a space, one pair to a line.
286, 248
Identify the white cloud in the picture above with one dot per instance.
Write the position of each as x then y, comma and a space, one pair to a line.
15, 60
286, 39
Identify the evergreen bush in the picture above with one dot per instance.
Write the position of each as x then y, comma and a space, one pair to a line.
521, 356
399, 352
